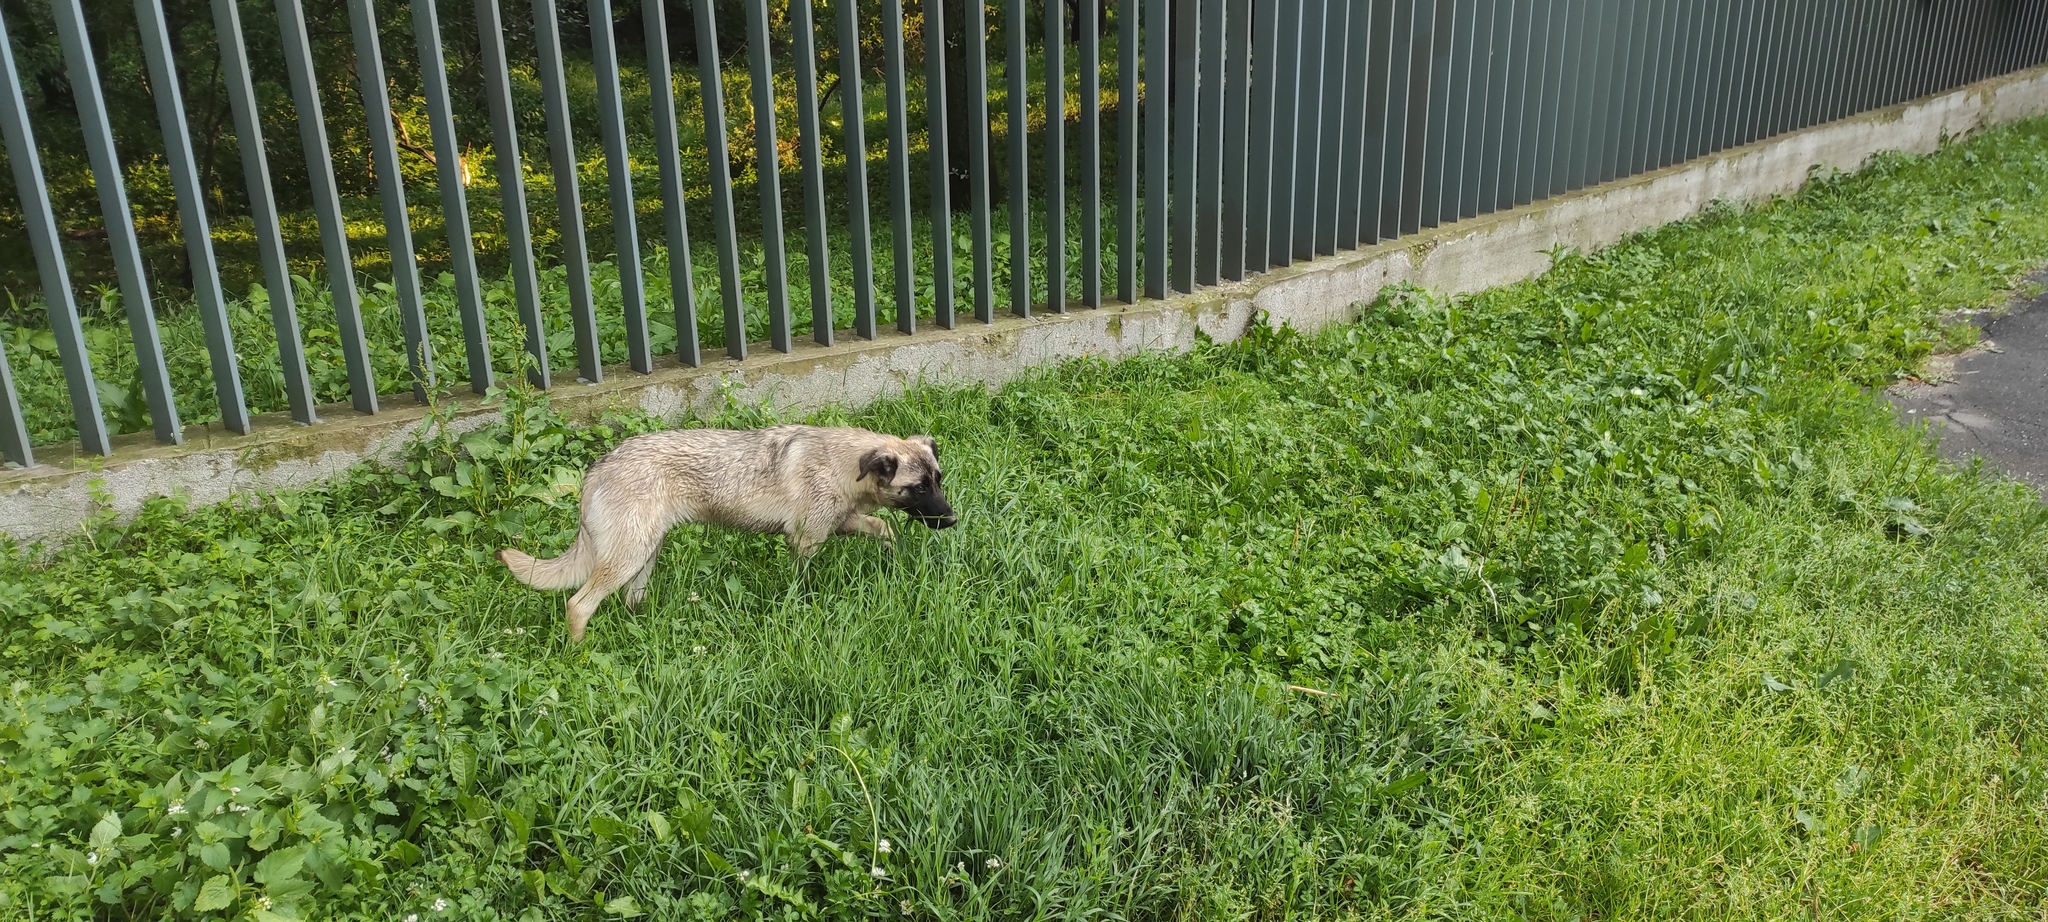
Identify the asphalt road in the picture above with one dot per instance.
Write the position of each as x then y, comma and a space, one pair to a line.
1992, 400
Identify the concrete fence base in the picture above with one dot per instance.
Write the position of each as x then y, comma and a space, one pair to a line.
52, 500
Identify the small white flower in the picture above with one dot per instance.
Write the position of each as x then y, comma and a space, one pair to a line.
960, 866
694, 599
543, 712
234, 790
698, 649
906, 907
240, 808
177, 808
440, 905
177, 831
92, 858
746, 874
263, 902
993, 864
412, 917
331, 683
877, 873
882, 846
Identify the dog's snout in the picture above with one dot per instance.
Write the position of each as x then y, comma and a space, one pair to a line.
944, 522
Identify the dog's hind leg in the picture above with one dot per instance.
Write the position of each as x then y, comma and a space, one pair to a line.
636, 590
621, 560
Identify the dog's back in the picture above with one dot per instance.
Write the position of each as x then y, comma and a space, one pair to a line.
752, 479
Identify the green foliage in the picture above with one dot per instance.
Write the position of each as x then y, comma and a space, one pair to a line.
1610, 593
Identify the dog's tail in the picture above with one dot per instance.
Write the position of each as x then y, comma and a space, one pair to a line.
565, 572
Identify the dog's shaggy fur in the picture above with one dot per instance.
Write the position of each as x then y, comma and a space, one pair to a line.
806, 483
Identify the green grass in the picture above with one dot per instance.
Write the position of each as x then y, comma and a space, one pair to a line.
1628, 598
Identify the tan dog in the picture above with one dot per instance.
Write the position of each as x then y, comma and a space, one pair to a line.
804, 482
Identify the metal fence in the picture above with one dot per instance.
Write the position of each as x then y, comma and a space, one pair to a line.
1243, 136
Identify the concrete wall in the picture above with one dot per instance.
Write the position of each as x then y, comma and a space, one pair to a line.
51, 500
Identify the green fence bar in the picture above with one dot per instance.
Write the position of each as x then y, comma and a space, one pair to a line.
1055, 146
611, 127
25, 161
980, 164
1016, 71
1091, 152
1127, 152
939, 161
811, 157
575, 251
120, 224
1158, 55
661, 95
1287, 113
1235, 154
1263, 140
405, 273
1336, 125
853, 118
191, 198
1186, 99
899, 165
449, 170
719, 153
512, 190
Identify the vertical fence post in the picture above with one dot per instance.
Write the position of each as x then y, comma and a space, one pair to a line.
1308, 126
284, 315
26, 164
554, 84
1127, 67
1334, 133
899, 164
1158, 53
611, 124
980, 165
453, 175
720, 155
810, 148
1090, 20
1055, 159
1211, 79
1235, 157
853, 116
1209, 158
15, 447
505, 154
1016, 70
938, 162
1352, 159
184, 167
1400, 47
1287, 41
1495, 158
1184, 88
120, 222
661, 93
405, 275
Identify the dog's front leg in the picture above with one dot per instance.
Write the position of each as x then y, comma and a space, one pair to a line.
861, 524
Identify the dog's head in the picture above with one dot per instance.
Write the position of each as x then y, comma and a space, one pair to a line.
907, 477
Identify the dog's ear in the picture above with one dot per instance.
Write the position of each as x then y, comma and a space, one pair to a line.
879, 464
927, 441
